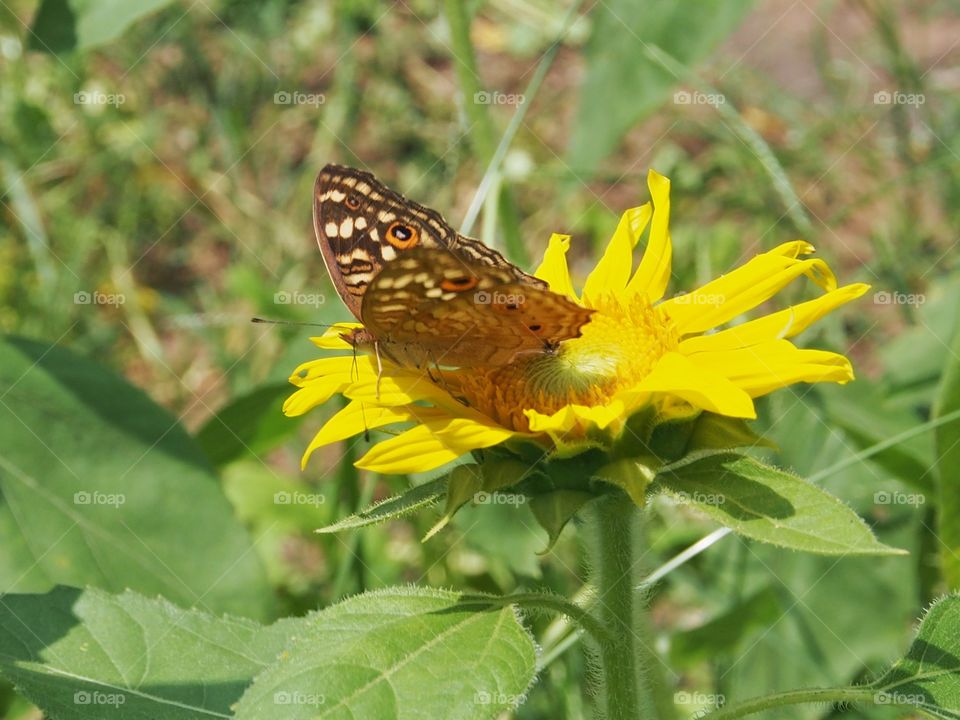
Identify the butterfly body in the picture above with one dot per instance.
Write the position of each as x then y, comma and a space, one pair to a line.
426, 294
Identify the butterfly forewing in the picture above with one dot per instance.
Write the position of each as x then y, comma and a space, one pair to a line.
362, 225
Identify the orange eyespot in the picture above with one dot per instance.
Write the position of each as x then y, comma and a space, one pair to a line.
402, 236
459, 284
353, 202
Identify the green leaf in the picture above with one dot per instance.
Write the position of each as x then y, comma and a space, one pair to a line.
249, 425
553, 510
632, 475
928, 677
727, 630
947, 439
463, 484
102, 487
617, 66
861, 410
63, 25
394, 507
397, 653
772, 506
83, 654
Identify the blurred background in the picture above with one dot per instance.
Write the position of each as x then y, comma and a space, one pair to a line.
156, 168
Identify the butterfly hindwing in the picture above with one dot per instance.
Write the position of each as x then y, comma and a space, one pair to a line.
432, 306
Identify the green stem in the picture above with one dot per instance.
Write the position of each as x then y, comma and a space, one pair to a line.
632, 675
483, 136
545, 601
794, 697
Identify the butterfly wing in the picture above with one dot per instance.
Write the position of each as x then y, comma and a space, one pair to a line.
361, 225
439, 308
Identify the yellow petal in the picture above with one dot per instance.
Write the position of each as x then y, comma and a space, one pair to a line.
765, 367
399, 387
574, 416
653, 274
554, 269
432, 444
743, 289
331, 340
700, 386
357, 417
319, 380
783, 324
613, 271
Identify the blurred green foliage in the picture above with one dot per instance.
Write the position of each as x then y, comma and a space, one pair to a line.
156, 161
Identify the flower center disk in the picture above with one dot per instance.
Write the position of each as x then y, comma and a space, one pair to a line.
618, 348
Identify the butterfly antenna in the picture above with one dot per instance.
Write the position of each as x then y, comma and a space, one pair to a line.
290, 322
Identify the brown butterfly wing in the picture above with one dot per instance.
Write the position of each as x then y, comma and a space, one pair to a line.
361, 225
429, 306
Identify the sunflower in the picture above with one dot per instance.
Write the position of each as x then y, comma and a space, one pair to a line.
670, 358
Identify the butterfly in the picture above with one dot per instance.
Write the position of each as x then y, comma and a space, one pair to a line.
425, 293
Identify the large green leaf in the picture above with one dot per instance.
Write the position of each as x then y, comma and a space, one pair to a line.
401, 653
928, 677
623, 84
249, 425
100, 486
64, 25
84, 654
770, 505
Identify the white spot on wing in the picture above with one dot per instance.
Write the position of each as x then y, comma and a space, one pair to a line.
360, 223
346, 227
331, 229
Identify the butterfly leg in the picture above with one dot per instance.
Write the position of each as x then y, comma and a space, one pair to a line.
376, 350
